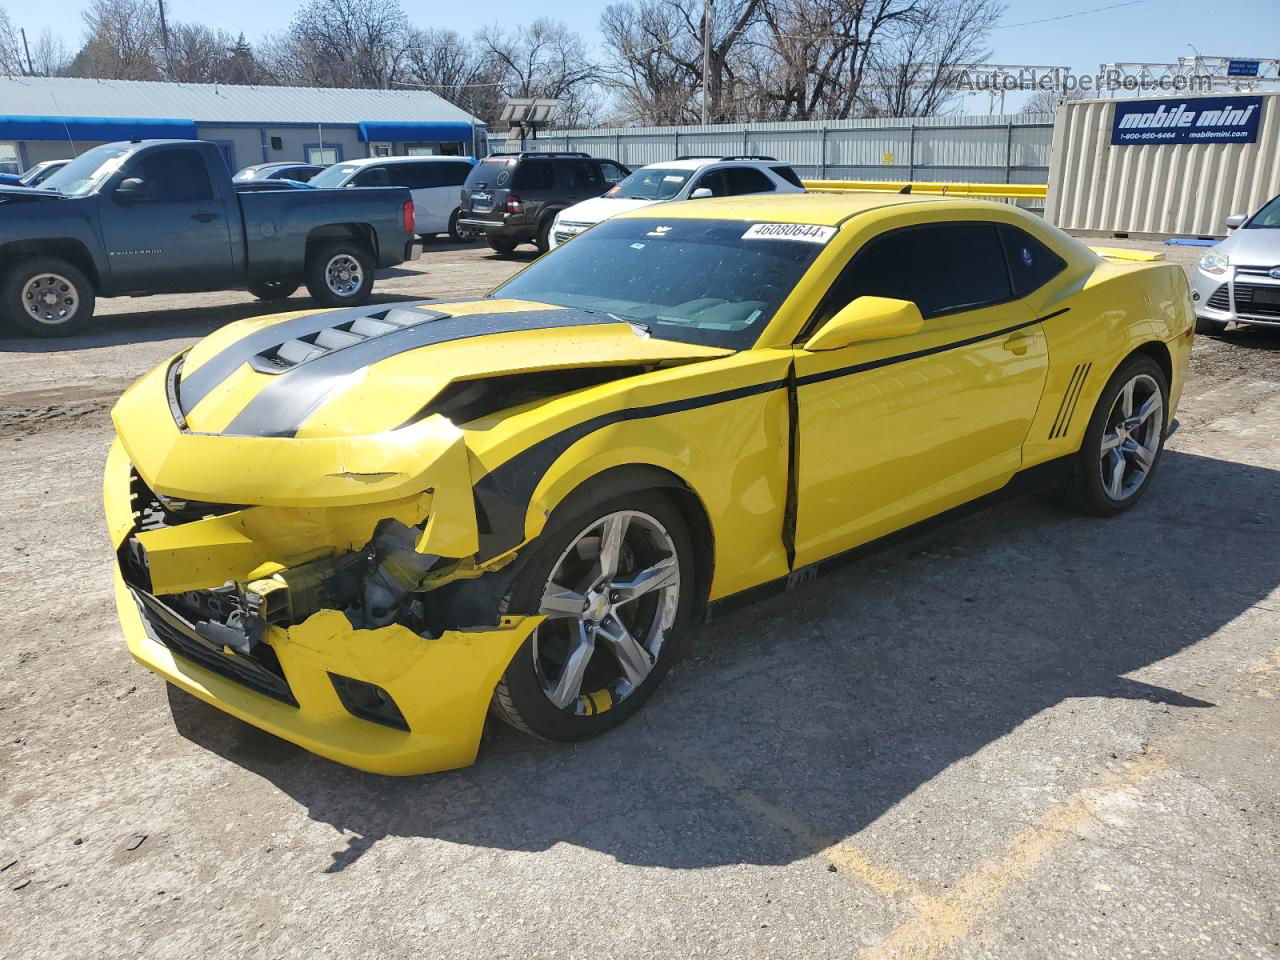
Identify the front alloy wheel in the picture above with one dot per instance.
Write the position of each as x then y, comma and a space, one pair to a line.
614, 584
609, 603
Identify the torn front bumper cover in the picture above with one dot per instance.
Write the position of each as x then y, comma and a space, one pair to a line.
441, 687
385, 699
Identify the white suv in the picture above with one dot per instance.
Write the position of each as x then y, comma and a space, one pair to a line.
685, 178
434, 181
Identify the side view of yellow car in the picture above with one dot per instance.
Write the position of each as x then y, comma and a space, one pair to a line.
365, 530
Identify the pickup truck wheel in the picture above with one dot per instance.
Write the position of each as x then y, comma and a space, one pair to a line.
502, 245
273, 289
47, 297
340, 274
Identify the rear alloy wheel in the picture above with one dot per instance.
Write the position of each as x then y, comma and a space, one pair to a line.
1123, 442
614, 591
340, 274
543, 240
47, 297
273, 289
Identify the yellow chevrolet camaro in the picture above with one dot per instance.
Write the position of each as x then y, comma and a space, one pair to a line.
364, 530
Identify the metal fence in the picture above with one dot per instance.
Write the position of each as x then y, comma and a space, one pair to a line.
989, 149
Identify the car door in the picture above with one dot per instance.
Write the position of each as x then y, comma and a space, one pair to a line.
893, 431
177, 236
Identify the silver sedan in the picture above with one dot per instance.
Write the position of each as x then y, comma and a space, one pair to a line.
1239, 279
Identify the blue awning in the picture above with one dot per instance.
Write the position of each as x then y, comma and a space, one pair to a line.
95, 128
425, 132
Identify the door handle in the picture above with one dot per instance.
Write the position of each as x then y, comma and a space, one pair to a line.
204, 217
1017, 344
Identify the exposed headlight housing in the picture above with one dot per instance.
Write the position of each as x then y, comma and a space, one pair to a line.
1214, 263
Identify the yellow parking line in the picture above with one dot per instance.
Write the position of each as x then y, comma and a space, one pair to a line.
842, 853
942, 921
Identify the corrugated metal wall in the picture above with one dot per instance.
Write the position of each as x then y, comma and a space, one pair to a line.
990, 149
1158, 189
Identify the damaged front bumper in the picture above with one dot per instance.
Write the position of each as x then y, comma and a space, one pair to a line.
375, 688
441, 687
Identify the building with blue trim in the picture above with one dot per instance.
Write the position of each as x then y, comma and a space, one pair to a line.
48, 118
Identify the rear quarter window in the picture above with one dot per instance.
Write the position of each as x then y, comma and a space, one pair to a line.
1031, 263
534, 174
787, 174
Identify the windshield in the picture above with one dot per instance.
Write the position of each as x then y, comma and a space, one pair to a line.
86, 172
1268, 218
333, 176
714, 282
651, 183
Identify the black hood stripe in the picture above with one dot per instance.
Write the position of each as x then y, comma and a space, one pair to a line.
200, 382
281, 407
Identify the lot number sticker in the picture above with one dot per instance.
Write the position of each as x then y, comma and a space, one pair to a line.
807, 232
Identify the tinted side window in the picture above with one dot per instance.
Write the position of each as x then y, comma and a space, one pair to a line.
747, 180
175, 175
713, 181
451, 174
372, 177
942, 269
585, 178
1031, 263
958, 266
612, 172
411, 175
533, 174
787, 174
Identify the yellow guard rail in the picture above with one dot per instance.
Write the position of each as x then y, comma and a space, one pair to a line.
995, 191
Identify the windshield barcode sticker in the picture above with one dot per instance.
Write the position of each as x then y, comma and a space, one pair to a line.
808, 232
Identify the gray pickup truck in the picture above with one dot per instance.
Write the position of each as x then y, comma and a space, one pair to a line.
162, 216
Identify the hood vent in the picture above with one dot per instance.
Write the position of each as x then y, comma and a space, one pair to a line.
291, 353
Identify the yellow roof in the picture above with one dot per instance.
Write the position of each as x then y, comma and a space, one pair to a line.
823, 209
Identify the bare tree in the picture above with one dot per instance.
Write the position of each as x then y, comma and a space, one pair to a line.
446, 63
916, 68
122, 42
341, 43
656, 53
50, 54
545, 59
1046, 101
12, 62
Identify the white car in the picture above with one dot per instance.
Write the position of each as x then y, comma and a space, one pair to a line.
434, 182
1239, 278
685, 178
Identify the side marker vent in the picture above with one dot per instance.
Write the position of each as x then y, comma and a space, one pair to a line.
291, 353
1067, 408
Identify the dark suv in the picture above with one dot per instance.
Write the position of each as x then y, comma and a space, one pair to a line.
513, 198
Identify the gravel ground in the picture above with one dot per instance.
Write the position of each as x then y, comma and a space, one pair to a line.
1029, 735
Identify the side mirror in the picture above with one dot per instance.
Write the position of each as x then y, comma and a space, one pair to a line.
131, 190
867, 318
1236, 220
702, 193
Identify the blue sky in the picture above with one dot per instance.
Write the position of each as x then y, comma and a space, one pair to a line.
1145, 30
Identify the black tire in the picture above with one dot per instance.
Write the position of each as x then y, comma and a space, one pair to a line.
319, 259
1210, 328
519, 699
65, 281
456, 234
503, 246
1085, 491
273, 289
543, 240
